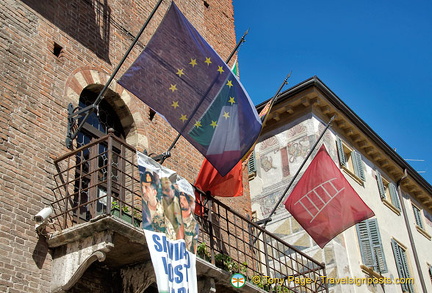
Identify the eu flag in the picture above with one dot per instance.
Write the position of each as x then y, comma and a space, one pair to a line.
181, 77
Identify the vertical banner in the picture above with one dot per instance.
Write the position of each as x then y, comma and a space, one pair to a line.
174, 265
170, 226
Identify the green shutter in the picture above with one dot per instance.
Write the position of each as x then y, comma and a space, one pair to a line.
402, 265
365, 244
394, 195
417, 216
371, 249
375, 237
252, 164
380, 185
358, 165
342, 158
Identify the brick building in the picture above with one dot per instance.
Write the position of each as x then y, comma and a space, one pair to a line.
55, 59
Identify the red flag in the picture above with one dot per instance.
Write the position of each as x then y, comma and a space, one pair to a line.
323, 202
209, 179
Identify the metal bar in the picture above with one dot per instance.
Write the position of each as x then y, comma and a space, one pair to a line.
266, 255
64, 185
241, 41
265, 115
94, 178
210, 221
109, 174
275, 97
121, 178
87, 146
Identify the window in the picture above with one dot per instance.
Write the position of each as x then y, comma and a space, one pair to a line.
419, 222
371, 249
388, 193
350, 160
402, 265
418, 216
92, 163
252, 166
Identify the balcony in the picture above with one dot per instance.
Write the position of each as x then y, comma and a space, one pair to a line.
97, 215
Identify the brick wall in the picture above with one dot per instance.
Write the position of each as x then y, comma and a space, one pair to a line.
36, 86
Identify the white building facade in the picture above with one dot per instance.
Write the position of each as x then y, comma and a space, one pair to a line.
392, 247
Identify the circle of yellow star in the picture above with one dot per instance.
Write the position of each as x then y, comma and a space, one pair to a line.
208, 61
229, 83
180, 72
220, 69
213, 124
226, 115
183, 117
193, 62
175, 104
198, 124
173, 87
231, 100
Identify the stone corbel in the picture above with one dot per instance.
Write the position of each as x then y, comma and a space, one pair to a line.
75, 260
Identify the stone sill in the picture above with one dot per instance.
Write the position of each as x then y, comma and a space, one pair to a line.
370, 272
391, 207
423, 232
353, 176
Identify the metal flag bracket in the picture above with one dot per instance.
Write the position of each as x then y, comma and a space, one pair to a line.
74, 114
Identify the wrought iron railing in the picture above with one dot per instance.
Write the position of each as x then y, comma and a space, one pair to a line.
102, 178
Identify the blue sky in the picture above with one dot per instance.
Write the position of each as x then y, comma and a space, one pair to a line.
376, 56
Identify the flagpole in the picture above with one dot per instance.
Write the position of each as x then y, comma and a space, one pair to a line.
73, 116
241, 41
268, 219
161, 158
269, 105
275, 97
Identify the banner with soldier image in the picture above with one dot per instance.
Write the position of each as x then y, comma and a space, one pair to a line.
171, 229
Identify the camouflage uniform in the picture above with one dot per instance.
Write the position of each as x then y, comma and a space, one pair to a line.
191, 229
158, 219
173, 217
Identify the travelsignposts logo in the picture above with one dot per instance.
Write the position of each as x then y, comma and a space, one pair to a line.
238, 280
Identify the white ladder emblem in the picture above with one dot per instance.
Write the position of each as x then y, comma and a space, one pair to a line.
324, 193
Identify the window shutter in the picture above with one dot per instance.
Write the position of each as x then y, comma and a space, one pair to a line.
380, 185
252, 164
342, 158
401, 264
358, 166
394, 195
371, 246
365, 244
417, 216
377, 246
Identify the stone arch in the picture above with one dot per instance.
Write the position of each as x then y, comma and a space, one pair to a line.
117, 96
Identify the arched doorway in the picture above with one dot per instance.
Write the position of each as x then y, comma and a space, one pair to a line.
104, 118
91, 172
